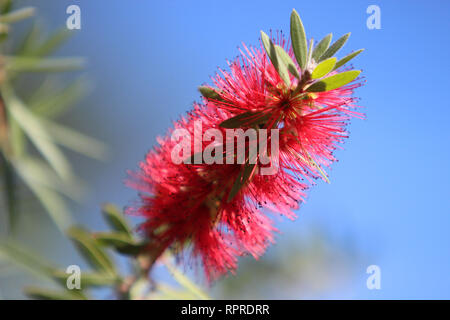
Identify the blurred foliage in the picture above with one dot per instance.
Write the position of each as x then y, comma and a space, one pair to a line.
31, 139
32, 160
99, 249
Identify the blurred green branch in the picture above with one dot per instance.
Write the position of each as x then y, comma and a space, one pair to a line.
93, 246
29, 123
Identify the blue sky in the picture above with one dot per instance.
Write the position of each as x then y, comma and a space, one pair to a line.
390, 188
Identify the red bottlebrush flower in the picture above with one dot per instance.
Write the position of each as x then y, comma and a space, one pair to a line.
186, 205
217, 210
312, 124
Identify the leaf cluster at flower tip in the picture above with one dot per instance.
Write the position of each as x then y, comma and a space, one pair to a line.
313, 68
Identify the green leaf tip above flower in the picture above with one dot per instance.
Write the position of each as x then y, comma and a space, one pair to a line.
276, 58
298, 37
335, 47
322, 46
347, 58
313, 62
287, 61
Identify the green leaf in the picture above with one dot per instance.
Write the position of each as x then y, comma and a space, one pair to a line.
323, 68
347, 58
310, 51
119, 241
244, 175
335, 47
46, 102
184, 281
40, 173
275, 59
9, 181
298, 37
17, 138
287, 61
51, 43
166, 292
246, 119
38, 134
25, 259
209, 93
30, 40
76, 141
334, 81
51, 294
50, 200
17, 15
115, 219
37, 64
321, 47
89, 248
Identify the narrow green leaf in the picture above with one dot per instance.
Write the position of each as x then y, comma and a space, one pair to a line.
30, 40
138, 289
244, 175
25, 259
51, 294
17, 138
298, 37
89, 248
184, 281
246, 119
37, 64
76, 141
116, 219
119, 241
166, 292
46, 102
310, 51
17, 15
237, 185
287, 61
347, 58
275, 59
321, 47
335, 47
209, 93
248, 172
40, 173
50, 200
51, 43
334, 81
323, 68
9, 181
38, 134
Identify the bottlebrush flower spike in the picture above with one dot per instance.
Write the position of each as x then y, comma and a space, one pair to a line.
218, 211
